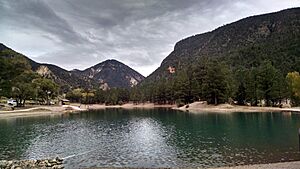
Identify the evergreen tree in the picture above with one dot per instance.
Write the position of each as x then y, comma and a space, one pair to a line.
100, 96
241, 94
268, 83
216, 83
182, 92
251, 85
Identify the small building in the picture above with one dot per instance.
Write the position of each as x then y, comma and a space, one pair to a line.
64, 102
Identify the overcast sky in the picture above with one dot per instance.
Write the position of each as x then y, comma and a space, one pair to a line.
140, 33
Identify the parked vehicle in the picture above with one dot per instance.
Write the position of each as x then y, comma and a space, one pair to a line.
12, 102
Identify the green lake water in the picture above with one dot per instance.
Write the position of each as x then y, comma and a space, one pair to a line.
153, 138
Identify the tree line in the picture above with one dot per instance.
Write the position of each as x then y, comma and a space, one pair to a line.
18, 81
207, 79
217, 82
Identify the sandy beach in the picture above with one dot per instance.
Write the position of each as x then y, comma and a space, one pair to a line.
127, 106
201, 107
73, 108
40, 111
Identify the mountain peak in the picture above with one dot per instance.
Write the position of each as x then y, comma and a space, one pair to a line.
75, 70
114, 73
112, 60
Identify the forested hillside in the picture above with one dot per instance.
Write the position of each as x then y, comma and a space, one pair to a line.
17, 80
247, 60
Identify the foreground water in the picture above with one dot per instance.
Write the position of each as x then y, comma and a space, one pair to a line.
153, 138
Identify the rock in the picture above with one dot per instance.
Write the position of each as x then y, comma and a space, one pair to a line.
59, 159
3, 163
9, 164
55, 163
59, 162
48, 164
57, 167
52, 161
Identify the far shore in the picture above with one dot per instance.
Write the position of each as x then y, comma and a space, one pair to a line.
197, 107
202, 107
72, 108
125, 106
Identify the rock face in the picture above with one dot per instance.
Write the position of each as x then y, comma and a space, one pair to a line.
273, 37
55, 163
112, 73
44, 71
108, 74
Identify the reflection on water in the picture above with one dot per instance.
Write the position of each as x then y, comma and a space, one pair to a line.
153, 138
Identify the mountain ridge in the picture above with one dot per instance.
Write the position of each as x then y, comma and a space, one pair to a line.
81, 78
229, 41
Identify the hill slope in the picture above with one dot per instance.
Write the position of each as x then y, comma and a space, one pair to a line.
107, 74
111, 73
61, 76
245, 43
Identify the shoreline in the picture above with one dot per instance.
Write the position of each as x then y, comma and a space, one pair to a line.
72, 108
128, 106
201, 107
39, 111
58, 163
196, 107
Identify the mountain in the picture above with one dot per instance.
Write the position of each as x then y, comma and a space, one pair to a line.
61, 76
108, 74
111, 73
245, 43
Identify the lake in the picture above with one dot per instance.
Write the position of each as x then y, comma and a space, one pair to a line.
153, 138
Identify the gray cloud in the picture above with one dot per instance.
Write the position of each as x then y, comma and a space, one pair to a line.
81, 33
36, 15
